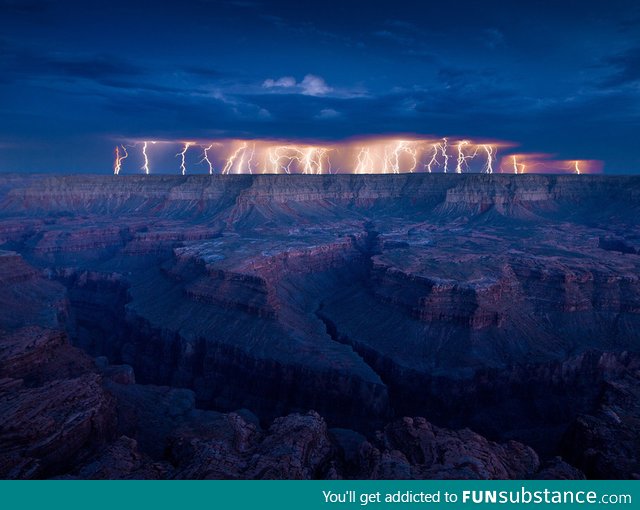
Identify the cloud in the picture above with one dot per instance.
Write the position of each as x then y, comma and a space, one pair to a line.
284, 82
314, 86
328, 113
311, 85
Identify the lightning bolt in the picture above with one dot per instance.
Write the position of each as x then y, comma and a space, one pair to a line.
307, 160
488, 166
386, 161
434, 158
445, 155
273, 160
205, 157
518, 168
377, 155
118, 162
267, 160
253, 151
392, 160
365, 161
329, 168
312, 160
145, 166
462, 159
182, 154
231, 160
414, 157
284, 156
240, 163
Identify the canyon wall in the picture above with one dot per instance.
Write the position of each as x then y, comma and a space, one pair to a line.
505, 303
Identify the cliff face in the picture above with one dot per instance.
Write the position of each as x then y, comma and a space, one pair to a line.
52, 408
64, 415
474, 300
194, 195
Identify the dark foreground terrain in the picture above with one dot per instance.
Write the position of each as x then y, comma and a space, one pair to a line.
398, 326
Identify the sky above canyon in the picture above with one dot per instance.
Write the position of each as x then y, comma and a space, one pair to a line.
77, 78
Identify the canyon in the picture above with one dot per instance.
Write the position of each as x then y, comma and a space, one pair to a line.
320, 326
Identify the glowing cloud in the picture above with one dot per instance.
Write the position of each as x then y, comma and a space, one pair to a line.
373, 155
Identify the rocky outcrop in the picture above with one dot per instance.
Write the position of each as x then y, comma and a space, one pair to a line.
294, 447
412, 448
605, 443
558, 469
122, 460
43, 429
53, 409
299, 447
176, 440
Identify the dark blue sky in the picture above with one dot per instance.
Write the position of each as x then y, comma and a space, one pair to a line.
557, 77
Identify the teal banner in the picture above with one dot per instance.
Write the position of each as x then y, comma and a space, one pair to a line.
325, 495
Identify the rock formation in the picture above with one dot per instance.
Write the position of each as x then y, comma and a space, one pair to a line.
153, 308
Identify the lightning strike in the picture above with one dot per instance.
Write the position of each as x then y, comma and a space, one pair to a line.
145, 166
462, 158
365, 161
375, 155
205, 158
275, 156
231, 160
118, 162
268, 159
241, 161
518, 168
253, 151
392, 158
488, 166
306, 160
182, 154
445, 155
434, 158
315, 159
